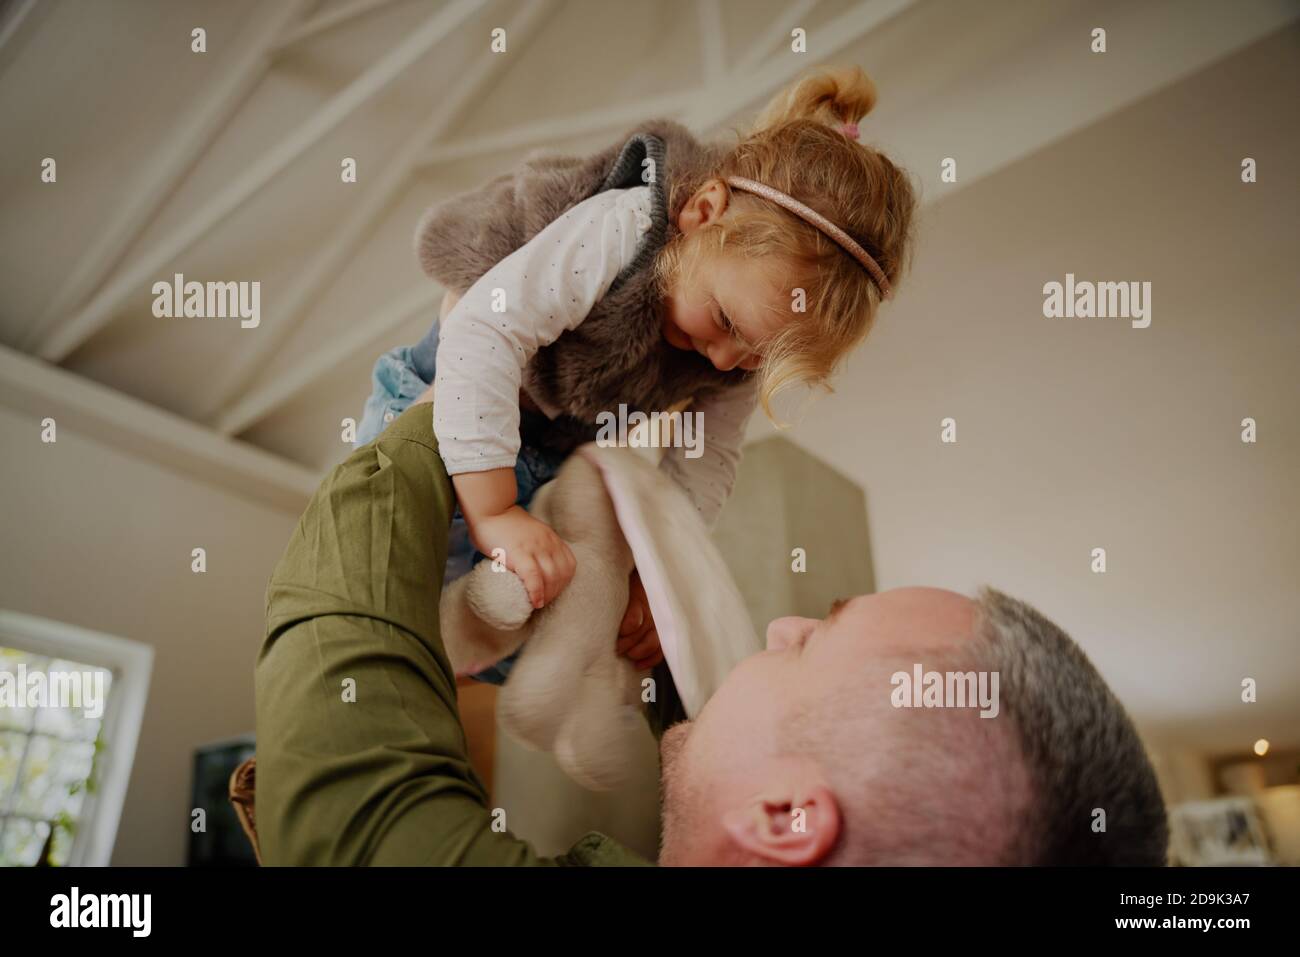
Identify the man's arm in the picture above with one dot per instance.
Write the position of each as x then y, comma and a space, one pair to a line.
361, 755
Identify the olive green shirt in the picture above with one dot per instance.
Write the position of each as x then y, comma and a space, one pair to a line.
361, 755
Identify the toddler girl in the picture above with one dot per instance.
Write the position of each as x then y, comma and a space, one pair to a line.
679, 272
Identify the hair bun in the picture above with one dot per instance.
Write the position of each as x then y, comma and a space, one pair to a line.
835, 96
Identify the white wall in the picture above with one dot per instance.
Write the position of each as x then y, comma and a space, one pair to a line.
101, 539
1079, 433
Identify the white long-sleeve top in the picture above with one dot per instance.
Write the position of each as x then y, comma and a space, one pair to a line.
527, 301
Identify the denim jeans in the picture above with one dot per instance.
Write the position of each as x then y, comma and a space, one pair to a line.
400, 376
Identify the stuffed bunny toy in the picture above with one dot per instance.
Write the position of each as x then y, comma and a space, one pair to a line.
569, 692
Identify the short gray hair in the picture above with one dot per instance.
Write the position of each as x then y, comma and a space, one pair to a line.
1079, 745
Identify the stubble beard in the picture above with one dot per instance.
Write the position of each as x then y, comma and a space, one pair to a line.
675, 794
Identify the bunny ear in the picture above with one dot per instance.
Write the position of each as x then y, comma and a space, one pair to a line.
703, 624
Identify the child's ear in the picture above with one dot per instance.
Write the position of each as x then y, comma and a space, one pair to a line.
706, 206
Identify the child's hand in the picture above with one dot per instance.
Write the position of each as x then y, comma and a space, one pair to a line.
533, 551
638, 638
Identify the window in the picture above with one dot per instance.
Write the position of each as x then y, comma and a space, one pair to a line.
71, 703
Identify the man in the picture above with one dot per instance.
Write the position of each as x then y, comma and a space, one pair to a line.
806, 755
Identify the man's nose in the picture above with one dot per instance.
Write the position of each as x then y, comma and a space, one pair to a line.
783, 632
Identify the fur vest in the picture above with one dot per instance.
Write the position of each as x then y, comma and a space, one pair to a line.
618, 354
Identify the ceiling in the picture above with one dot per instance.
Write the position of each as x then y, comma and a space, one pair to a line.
225, 164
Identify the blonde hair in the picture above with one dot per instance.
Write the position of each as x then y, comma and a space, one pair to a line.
796, 146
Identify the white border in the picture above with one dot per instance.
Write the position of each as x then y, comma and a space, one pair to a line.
131, 663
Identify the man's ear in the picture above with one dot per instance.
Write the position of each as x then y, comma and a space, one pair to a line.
786, 829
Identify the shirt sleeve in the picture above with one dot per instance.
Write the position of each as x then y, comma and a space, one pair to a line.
525, 302
361, 754
706, 468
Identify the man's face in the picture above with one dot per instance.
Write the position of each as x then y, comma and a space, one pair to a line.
728, 764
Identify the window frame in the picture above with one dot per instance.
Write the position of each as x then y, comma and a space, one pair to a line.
131, 664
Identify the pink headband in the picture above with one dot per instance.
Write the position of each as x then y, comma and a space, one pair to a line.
818, 220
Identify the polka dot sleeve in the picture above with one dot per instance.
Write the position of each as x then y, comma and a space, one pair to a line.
525, 302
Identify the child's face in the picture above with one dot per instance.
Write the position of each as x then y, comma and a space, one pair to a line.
731, 308
727, 314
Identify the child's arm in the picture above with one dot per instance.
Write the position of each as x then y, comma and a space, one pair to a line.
707, 468
525, 302
529, 546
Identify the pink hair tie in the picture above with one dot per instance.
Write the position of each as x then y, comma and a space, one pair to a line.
850, 130
821, 222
